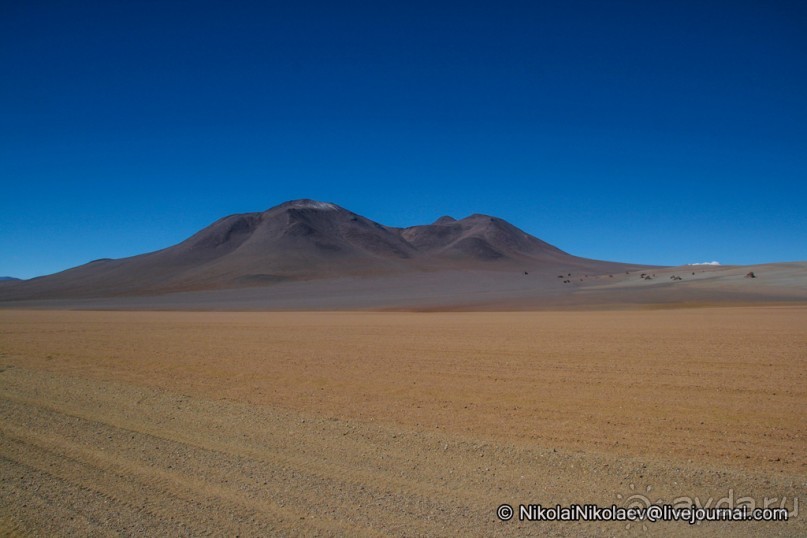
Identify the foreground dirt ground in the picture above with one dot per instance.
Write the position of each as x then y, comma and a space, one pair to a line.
172, 423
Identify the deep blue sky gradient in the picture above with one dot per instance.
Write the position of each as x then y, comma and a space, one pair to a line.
663, 132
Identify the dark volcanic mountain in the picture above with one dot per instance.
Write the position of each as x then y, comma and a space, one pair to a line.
305, 240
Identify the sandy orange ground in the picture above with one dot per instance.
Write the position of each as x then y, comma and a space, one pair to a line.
710, 390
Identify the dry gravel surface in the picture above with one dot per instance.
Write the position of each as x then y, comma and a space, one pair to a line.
394, 424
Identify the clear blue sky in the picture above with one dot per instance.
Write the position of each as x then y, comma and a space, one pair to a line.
661, 132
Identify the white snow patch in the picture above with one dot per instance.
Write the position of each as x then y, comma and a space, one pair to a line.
705, 263
313, 204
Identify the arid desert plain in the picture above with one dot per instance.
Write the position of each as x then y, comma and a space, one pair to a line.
397, 423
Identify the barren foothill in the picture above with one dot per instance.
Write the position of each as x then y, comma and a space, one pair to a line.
394, 423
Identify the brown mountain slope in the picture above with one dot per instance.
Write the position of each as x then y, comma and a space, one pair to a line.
478, 237
305, 240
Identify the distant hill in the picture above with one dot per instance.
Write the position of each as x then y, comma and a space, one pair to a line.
7, 278
305, 240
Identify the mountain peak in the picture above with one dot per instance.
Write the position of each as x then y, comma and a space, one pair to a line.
445, 219
479, 217
306, 203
